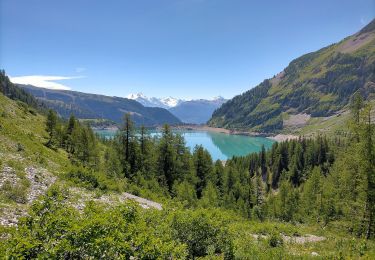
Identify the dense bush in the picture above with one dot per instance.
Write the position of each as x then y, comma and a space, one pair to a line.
204, 232
58, 231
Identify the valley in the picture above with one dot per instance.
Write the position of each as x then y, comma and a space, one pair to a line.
283, 170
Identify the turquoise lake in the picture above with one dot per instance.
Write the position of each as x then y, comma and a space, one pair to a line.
220, 145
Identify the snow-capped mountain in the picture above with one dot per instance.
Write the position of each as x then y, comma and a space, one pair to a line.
166, 102
196, 111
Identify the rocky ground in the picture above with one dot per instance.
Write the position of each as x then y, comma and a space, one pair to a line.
29, 184
80, 196
34, 182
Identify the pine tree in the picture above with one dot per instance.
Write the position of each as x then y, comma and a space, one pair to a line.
166, 158
263, 163
128, 131
51, 125
356, 106
68, 133
112, 164
203, 168
186, 192
210, 197
312, 194
219, 177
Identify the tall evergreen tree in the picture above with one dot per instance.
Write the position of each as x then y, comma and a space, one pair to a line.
166, 158
51, 125
368, 165
203, 168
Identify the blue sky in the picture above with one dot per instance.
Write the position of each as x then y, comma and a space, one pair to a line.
180, 48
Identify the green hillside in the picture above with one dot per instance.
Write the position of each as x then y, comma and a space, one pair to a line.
318, 84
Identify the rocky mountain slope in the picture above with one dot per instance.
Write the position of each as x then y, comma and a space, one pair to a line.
92, 106
318, 84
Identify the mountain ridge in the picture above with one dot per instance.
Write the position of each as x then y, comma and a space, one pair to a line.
95, 106
319, 84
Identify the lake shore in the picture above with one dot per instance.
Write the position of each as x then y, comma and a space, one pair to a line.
202, 128
218, 130
283, 137
277, 138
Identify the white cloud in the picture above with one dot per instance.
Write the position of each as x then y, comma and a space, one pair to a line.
42, 81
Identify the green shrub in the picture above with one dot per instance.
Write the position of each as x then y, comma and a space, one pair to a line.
20, 147
55, 230
32, 111
275, 240
83, 176
203, 232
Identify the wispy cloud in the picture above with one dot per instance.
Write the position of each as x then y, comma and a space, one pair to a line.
80, 69
43, 81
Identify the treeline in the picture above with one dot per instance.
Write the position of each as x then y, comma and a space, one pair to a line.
306, 180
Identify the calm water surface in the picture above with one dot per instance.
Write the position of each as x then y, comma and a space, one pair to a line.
221, 146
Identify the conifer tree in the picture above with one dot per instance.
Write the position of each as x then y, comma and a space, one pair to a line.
185, 192
356, 106
203, 168
368, 168
210, 197
51, 125
166, 158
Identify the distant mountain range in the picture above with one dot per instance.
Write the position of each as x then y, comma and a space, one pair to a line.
197, 111
166, 102
318, 84
92, 106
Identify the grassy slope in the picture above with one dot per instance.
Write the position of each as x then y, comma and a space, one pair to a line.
22, 136
20, 126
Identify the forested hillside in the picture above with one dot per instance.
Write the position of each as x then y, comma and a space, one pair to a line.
318, 84
91, 106
13, 92
300, 198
